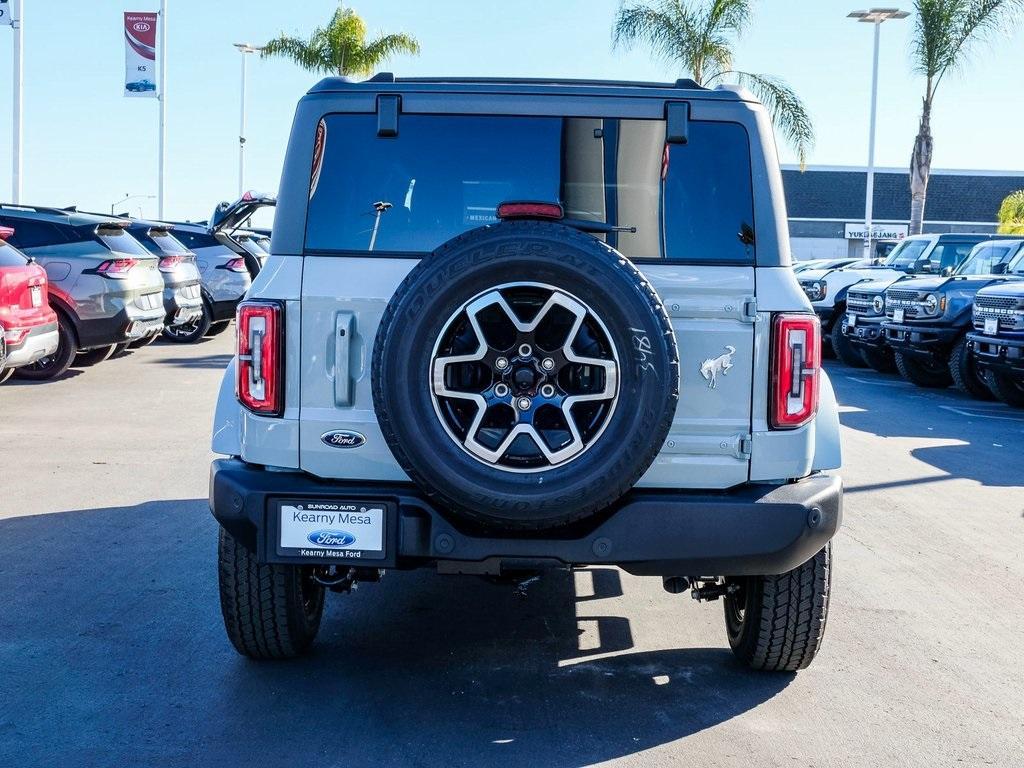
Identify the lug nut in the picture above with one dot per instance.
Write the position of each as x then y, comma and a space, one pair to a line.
547, 364
501, 363
501, 390
547, 390
523, 403
525, 350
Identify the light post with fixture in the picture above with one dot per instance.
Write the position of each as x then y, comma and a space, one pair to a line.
874, 16
244, 49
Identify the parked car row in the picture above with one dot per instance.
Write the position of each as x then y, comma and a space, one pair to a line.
942, 310
78, 287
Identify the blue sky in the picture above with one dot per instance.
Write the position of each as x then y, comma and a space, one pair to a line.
87, 144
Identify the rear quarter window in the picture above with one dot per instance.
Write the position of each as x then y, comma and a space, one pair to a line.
9, 257
36, 234
444, 175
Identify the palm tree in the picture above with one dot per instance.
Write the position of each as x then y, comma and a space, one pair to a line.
699, 36
341, 48
1011, 214
943, 33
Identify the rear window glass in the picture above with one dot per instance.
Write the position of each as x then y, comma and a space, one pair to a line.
195, 240
118, 240
445, 175
34, 234
9, 257
160, 242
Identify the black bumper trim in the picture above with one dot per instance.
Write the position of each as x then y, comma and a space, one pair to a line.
223, 310
998, 352
750, 530
921, 340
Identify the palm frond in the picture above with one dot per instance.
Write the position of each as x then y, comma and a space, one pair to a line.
787, 110
386, 47
945, 30
1011, 214
308, 54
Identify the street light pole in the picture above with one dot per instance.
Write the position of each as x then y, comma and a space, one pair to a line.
875, 16
244, 49
17, 22
163, 110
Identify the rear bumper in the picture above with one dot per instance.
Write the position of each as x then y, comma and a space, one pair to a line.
998, 353
921, 340
40, 342
751, 530
181, 309
223, 310
127, 324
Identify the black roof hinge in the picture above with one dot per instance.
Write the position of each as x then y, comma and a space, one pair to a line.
388, 107
677, 122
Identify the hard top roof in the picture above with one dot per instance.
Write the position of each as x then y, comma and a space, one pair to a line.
386, 81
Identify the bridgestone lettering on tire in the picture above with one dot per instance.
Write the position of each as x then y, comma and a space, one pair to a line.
525, 375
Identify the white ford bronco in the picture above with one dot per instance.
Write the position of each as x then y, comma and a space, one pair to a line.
513, 325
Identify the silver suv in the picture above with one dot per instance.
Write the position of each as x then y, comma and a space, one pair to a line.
514, 325
105, 287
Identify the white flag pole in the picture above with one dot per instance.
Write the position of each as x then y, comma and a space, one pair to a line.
163, 108
17, 22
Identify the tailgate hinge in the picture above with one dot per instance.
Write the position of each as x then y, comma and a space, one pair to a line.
750, 310
745, 446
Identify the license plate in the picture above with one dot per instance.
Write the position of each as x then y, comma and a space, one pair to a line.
36, 292
992, 326
851, 320
332, 530
897, 316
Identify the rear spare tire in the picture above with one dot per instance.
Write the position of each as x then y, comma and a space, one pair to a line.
525, 375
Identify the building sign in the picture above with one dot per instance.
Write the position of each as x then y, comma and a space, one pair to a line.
140, 54
878, 231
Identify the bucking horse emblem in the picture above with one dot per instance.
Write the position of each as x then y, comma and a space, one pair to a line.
713, 366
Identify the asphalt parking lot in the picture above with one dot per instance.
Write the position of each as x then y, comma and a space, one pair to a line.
112, 650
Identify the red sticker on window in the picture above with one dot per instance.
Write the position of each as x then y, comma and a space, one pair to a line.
319, 145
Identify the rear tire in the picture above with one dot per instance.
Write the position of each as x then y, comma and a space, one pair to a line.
1004, 387
927, 375
94, 356
189, 333
52, 366
217, 328
844, 349
777, 623
967, 376
270, 611
879, 359
145, 341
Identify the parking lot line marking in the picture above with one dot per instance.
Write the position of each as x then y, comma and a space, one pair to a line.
977, 415
880, 383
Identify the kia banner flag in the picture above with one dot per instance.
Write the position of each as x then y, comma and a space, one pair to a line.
140, 54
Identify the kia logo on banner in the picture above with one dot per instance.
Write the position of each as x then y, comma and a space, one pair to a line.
140, 54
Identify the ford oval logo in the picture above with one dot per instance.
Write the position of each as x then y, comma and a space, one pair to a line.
342, 438
331, 538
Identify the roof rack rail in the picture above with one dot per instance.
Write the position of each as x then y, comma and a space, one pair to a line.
388, 77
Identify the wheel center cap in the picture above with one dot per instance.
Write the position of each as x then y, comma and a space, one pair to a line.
524, 378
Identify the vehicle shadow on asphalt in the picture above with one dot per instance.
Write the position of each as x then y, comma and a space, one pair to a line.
986, 434
112, 629
217, 362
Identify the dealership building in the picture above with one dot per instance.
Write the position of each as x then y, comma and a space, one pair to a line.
826, 205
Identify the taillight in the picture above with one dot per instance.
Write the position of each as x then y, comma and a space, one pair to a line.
796, 365
168, 263
259, 385
236, 265
117, 269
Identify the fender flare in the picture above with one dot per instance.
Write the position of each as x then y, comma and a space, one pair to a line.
828, 449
